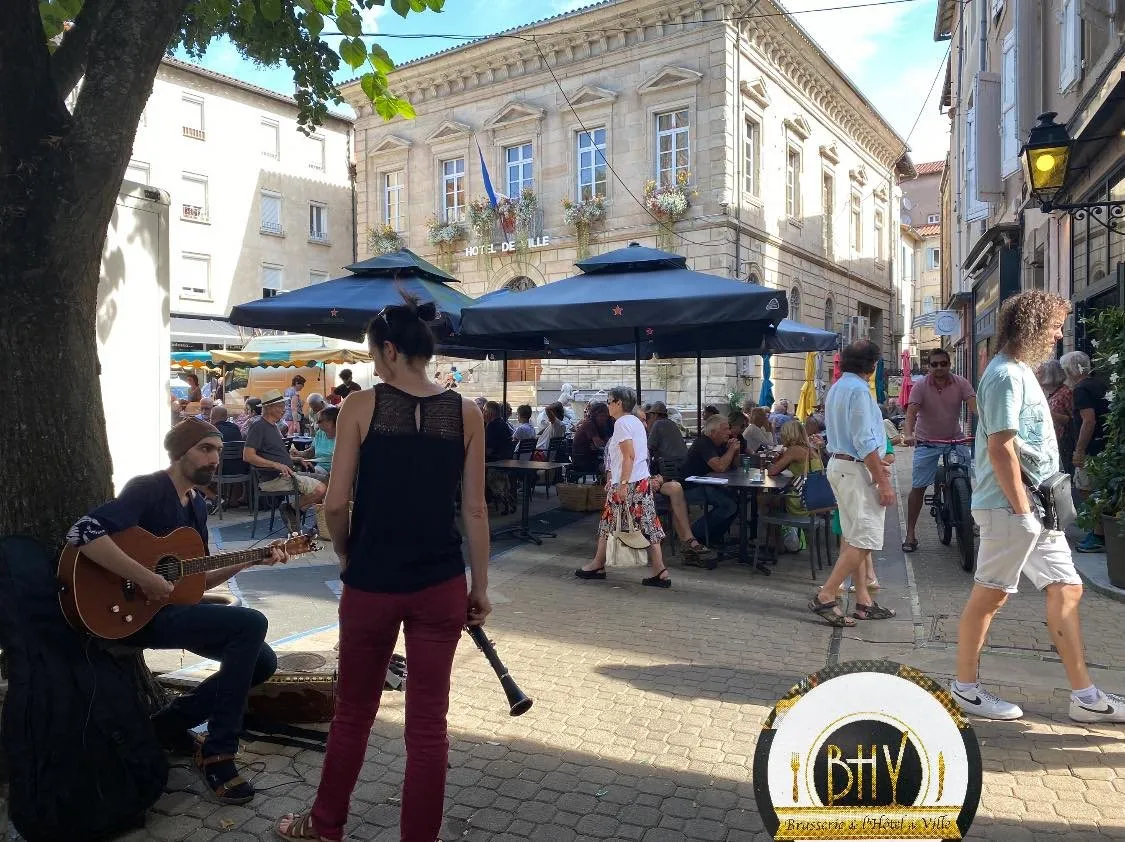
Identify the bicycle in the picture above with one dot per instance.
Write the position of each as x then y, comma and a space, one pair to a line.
950, 502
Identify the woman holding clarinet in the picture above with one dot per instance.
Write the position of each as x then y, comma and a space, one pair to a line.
404, 445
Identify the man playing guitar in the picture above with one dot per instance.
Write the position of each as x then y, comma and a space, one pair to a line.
235, 637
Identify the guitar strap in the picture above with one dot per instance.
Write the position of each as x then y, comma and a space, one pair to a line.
196, 522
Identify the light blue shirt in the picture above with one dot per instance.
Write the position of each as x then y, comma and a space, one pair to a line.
853, 420
1009, 397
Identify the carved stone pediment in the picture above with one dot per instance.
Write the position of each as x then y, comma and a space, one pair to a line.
881, 192
589, 95
390, 145
859, 175
830, 153
449, 131
512, 113
756, 90
669, 77
799, 127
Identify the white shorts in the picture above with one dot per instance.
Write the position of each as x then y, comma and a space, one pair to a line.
1011, 544
857, 496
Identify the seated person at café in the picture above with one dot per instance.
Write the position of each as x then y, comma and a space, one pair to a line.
759, 434
798, 457
737, 423
523, 430
589, 440
265, 450
232, 466
715, 450
709, 411
497, 435
695, 553
252, 413
552, 428
780, 416
666, 444
318, 455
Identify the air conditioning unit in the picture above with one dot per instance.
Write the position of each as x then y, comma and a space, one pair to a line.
860, 328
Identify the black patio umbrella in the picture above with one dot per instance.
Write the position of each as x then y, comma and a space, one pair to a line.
341, 308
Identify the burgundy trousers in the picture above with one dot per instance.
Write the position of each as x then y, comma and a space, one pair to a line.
432, 620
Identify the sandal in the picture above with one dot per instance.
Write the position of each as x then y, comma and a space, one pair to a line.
874, 611
222, 778
661, 580
909, 546
298, 826
827, 612
597, 573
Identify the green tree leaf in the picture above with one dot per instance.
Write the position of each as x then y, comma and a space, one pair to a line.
350, 24
343, 8
271, 10
417, 5
401, 7
247, 11
53, 18
380, 60
369, 84
314, 23
70, 7
323, 6
353, 51
404, 108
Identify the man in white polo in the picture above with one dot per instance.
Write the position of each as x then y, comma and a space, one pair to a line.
860, 481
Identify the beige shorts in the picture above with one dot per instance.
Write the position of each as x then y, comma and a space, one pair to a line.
1011, 544
861, 515
1082, 481
305, 484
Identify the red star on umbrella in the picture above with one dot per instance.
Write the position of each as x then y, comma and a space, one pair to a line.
618, 310
649, 331
333, 312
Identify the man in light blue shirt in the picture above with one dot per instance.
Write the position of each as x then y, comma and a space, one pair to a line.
859, 479
1015, 431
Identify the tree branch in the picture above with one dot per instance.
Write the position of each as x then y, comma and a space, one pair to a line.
68, 62
26, 87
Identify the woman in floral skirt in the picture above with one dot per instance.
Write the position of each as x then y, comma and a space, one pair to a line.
628, 491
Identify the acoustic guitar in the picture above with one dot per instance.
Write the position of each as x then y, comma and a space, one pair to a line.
102, 603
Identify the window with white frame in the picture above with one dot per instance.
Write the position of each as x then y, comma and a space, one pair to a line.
878, 235
271, 213
855, 213
933, 219
138, 171
193, 197
672, 146
933, 258
318, 222
394, 189
1070, 45
453, 189
316, 153
317, 277
591, 164
828, 212
195, 275
518, 168
271, 138
751, 156
795, 303
192, 108
273, 280
793, 182
1009, 120
929, 304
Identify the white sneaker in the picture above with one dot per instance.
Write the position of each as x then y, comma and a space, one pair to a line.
981, 703
1108, 708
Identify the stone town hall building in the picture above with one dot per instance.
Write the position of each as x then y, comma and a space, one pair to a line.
794, 172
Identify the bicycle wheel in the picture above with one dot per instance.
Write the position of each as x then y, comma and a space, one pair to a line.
940, 509
962, 516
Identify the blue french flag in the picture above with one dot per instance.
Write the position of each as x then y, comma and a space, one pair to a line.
487, 181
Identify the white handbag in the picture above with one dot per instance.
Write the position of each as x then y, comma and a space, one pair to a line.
626, 547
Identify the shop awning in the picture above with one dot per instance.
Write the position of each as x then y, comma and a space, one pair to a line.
190, 330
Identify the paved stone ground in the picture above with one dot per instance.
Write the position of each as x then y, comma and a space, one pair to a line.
648, 704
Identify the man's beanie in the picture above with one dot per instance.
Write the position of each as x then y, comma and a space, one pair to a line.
186, 435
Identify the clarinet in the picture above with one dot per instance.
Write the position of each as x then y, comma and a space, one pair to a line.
518, 702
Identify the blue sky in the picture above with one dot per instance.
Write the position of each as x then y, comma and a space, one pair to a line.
888, 51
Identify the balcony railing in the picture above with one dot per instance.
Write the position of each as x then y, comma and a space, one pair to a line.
318, 236
195, 213
272, 228
198, 134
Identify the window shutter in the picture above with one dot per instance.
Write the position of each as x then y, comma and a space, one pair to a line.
270, 135
986, 103
974, 207
271, 212
195, 193
137, 172
271, 277
1009, 108
1070, 45
193, 114
194, 274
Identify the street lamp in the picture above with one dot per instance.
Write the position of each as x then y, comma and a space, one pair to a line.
1046, 159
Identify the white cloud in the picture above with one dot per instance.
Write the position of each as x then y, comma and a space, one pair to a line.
852, 37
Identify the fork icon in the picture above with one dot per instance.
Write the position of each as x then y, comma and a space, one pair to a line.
795, 765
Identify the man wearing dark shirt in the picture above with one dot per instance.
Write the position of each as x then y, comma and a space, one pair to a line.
665, 441
715, 450
346, 386
497, 434
1090, 410
160, 503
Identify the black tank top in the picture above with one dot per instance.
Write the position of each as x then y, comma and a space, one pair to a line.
403, 532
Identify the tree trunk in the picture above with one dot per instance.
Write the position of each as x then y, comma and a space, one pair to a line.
59, 178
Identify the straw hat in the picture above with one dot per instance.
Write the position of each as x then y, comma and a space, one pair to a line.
272, 396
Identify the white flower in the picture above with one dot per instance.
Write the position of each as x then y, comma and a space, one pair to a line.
1093, 343
1113, 377
1113, 358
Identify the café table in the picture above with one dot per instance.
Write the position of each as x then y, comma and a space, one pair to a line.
746, 486
527, 472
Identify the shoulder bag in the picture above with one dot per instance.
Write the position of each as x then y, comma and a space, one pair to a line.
626, 547
816, 492
1053, 496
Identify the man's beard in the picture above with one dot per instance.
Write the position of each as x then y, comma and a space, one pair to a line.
202, 476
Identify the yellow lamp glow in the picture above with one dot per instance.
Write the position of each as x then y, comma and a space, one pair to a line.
1046, 158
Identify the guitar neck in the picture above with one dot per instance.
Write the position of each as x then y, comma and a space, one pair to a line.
216, 562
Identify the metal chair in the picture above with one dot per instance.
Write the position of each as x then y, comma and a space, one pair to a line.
556, 452
232, 450
813, 524
525, 449
272, 499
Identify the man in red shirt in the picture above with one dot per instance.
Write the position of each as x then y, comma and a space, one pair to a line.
933, 417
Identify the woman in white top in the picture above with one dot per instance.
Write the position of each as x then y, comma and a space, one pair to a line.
628, 491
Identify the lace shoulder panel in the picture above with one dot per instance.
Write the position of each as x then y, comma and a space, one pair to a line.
397, 414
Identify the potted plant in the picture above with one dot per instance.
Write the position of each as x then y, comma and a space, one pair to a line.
525, 210
668, 203
383, 240
581, 215
1106, 504
446, 235
481, 217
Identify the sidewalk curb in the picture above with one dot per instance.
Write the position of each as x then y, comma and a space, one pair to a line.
1091, 569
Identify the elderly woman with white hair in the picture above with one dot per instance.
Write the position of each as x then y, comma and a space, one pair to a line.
1090, 411
629, 493
1060, 399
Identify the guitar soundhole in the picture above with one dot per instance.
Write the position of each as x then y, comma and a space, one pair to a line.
169, 568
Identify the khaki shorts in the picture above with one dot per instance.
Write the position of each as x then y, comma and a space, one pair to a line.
305, 484
1011, 544
861, 515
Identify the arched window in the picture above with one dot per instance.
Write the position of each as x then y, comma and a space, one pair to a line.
829, 315
795, 303
520, 283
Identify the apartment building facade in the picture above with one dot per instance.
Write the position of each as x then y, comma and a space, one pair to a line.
924, 198
1010, 61
258, 208
792, 174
